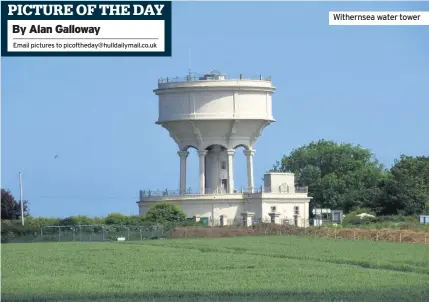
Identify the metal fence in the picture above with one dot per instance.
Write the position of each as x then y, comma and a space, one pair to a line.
197, 77
86, 233
94, 233
211, 228
286, 227
218, 191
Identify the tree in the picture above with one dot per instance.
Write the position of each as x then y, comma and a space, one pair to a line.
339, 176
407, 190
165, 212
39, 222
136, 220
117, 219
76, 220
10, 208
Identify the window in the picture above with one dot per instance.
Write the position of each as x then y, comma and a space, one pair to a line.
295, 220
223, 165
296, 210
273, 209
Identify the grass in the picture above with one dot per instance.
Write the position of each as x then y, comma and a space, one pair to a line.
283, 268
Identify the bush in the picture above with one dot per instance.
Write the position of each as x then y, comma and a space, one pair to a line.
384, 222
11, 229
165, 213
75, 220
358, 211
351, 219
116, 218
398, 218
39, 222
136, 220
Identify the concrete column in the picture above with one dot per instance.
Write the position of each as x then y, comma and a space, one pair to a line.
230, 171
202, 155
249, 154
183, 155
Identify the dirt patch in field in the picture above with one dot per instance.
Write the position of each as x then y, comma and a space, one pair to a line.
272, 229
183, 232
373, 235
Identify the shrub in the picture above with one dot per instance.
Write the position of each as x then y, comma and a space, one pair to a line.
39, 222
164, 213
351, 219
136, 220
75, 220
13, 228
116, 218
398, 218
358, 211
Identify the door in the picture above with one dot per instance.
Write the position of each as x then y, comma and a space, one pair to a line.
224, 186
337, 217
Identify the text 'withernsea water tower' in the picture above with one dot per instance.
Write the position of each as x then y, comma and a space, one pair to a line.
215, 115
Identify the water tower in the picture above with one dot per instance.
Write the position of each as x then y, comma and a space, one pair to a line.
215, 115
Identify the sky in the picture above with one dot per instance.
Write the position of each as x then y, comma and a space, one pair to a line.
364, 85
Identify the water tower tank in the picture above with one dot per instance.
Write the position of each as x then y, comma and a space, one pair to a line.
215, 114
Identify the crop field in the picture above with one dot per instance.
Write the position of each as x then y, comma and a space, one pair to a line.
272, 268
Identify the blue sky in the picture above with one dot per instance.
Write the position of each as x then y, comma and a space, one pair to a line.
363, 85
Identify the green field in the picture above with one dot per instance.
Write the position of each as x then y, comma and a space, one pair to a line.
282, 268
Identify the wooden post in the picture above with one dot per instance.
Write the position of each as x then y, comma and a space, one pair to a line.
354, 235
400, 237
377, 236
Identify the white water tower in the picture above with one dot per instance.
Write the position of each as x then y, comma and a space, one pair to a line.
215, 114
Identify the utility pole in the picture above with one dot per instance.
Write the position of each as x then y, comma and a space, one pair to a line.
20, 198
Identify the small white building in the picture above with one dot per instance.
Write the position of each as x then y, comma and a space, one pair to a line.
216, 115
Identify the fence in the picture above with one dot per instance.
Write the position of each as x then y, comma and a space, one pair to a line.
85, 233
212, 76
327, 231
103, 233
390, 235
218, 191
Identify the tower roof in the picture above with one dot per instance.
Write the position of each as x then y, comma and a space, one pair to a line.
213, 75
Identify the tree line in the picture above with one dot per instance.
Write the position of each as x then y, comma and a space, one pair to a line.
348, 177
166, 214
159, 213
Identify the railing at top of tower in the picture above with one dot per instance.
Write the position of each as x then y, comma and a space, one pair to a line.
194, 78
242, 190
